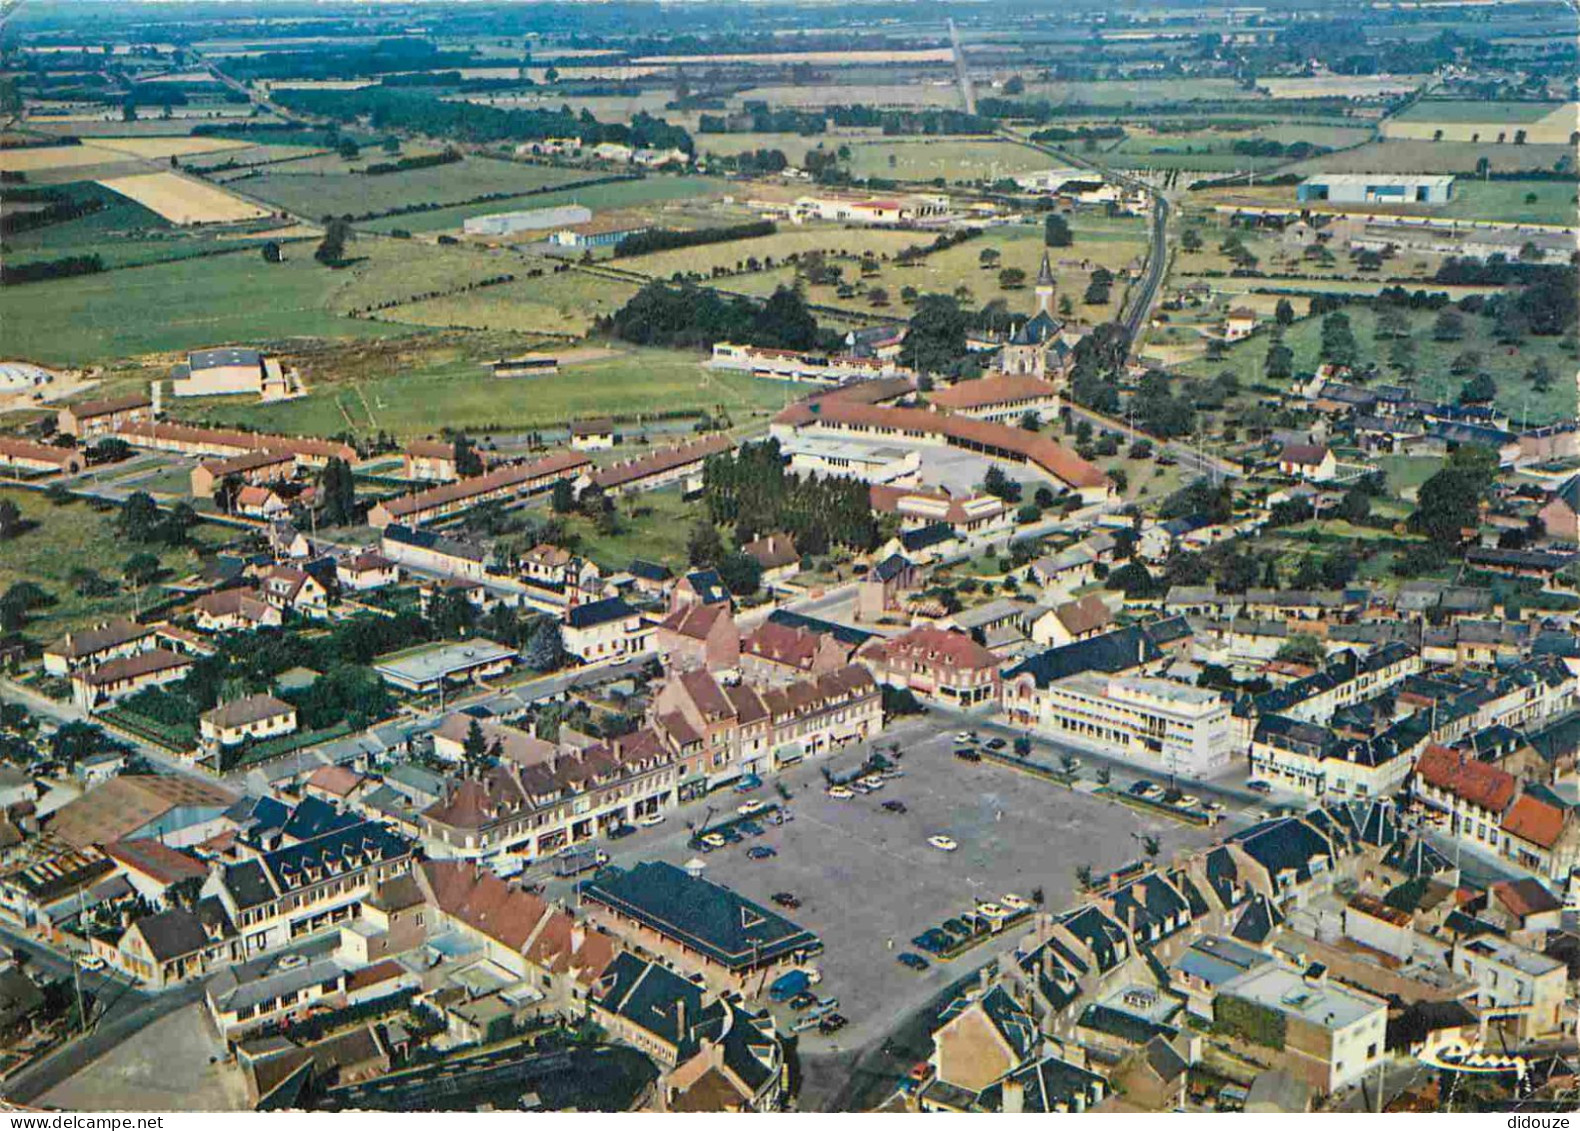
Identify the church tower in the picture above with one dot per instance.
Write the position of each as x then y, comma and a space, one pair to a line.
1045, 286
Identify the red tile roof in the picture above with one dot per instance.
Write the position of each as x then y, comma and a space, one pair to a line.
1477, 782
934, 645
226, 440
1534, 821
154, 859
1306, 455
501, 479
988, 391
661, 461
484, 902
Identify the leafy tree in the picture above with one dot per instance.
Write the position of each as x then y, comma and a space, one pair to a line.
139, 519
348, 149
562, 499
271, 252
10, 520
339, 488
1280, 360
1190, 240
1449, 327
936, 339
704, 547
332, 248
989, 257
1302, 648
546, 649
1000, 485
1338, 340
141, 569
74, 741
1480, 389
467, 461
1284, 312
1450, 501
1056, 231
474, 750
1011, 277
452, 615
741, 573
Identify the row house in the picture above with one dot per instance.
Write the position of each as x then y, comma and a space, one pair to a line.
606, 630
90, 420
502, 484
1310, 759
111, 640
224, 443
552, 798
431, 461
938, 666
20, 455
659, 467
781, 653
256, 467
1485, 807
697, 635
746, 729
116, 679
1346, 679
279, 897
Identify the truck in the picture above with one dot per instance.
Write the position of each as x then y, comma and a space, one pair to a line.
786, 986
575, 861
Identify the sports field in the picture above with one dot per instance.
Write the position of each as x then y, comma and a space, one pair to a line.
404, 403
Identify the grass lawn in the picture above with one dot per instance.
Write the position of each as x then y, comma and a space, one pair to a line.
458, 393
954, 159
563, 303
1401, 155
175, 306
1554, 201
654, 190
654, 526
1432, 379
311, 189
69, 536
1453, 111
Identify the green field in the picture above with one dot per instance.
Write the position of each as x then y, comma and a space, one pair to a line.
1446, 110
654, 526
1506, 201
74, 535
1405, 156
566, 303
652, 190
460, 394
1211, 150
1433, 359
954, 159
315, 192
175, 306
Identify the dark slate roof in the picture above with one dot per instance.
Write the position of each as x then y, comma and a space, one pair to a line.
226, 355
855, 637
651, 996
178, 932
698, 913
1416, 858
314, 817
1223, 874
438, 543
1125, 1026
709, 586
1014, 1024
599, 612
1164, 1060
258, 815
890, 567
1101, 935
248, 884
1048, 1085
1255, 924
648, 571
1285, 844
933, 534
1111, 652
1341, 669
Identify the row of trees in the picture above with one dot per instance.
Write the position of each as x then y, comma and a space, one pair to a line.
750, 491
686, 315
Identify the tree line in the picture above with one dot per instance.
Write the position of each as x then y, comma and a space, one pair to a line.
750, 491
663, 314
668, 239
63, 268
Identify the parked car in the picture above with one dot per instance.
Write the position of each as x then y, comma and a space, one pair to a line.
788, 985
966, 754
802, 1001
966, 736
619, 832
957, 927
779, 816
831, 1024
750, 808
785, 899
873, 781
1187, 801
894, 806
93, 962
943, 843
996, 744
712, 840
748, 783
1259, 787
933, 941
750, 828
1015, 902
760, 852
731, 834
914, 961
841, 793
652, 820
992, 911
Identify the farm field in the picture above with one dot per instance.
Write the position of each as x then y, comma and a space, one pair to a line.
185, 201
199, 302
1452, 110
67, 537
321, 191
794, 146
942, 93
954, 159
1141, 92
789, 240
163, 148
566, 303
402, 404
1433, 359
1342, 86
650, 191
1395, 156
51, 158
1211, 150
1508, 201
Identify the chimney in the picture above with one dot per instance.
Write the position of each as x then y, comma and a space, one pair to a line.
680, 1020
1014, 1097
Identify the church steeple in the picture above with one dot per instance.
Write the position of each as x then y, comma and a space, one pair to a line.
1045, 285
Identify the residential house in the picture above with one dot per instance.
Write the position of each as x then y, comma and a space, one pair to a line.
366, 571
605, 630
89, 420
235, 610
698, 635
935, 665
111, 640
776, 554
1312, 462
116, 679
252, 718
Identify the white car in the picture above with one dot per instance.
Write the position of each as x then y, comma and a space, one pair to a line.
1015, 902
713, 840
747, 808
965, 736
652, 820
291, 961
1188, 801
872, 781
840, 793
93, 962
992, 911
943, 843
